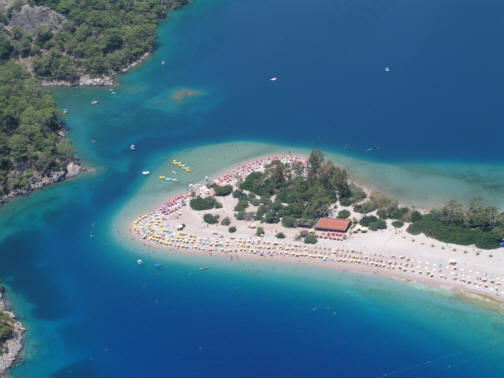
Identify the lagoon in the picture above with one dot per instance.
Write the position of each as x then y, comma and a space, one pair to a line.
91, 311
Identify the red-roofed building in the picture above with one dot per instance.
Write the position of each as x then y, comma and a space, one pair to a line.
332, 224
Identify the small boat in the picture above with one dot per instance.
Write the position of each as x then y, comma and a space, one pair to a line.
188, 169
139, 262
132, 147
174, 161
387, 69
65, 111
162, 177
145, 173
180, 164
274, 78
94, 102
168, 179
174, 172
175, 180
113, 92
163, 62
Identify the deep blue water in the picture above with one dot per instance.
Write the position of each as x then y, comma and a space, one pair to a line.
92, 312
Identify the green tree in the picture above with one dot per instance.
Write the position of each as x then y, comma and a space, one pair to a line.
314, 161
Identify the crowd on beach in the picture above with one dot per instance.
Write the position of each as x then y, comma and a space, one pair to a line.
161, 228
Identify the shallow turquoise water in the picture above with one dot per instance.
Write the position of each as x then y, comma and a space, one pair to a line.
92, 312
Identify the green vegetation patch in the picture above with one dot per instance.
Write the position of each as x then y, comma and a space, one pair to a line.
200, 203
343, 214
292, 193
453, 223
6, 329
29, 142
223, 190
211, 219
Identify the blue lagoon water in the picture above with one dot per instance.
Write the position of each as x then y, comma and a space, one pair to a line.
432, 123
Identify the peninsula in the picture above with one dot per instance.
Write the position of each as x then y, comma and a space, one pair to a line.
297, 210
54, 43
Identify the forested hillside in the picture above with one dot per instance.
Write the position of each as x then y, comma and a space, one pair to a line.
59, 40
32, 146
97, 37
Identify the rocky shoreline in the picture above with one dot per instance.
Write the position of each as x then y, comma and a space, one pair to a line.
14, 345
72, 169
88, 81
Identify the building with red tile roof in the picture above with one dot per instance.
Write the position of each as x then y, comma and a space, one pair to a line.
332, 224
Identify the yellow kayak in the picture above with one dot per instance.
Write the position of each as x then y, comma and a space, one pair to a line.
188, 170
180, 164
162, 177
175, 162
65, 111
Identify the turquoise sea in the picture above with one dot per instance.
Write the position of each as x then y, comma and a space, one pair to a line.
425, 132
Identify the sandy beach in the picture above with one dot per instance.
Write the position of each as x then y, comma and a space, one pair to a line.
392, 253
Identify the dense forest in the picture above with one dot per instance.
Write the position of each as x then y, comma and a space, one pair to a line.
32, 145
98, 37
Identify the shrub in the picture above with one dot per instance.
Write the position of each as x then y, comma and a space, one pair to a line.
223, 190
416, 216
343, 214
382, 213
357, 193
226, 221
289, 221
433, 226
367, 220
280, 235
240, 215
200, 203
232, 229
271, 217
310, 239
211, 219
218, 205
242, 205
397, 224
260, 231
365, 208
255, 201
397, 213
239, 194
345, 201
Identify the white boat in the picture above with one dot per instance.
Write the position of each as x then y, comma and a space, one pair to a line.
175, 180
139, 262
132, 147
145, 173
387, 69
163, 62
174, 172
274, 78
